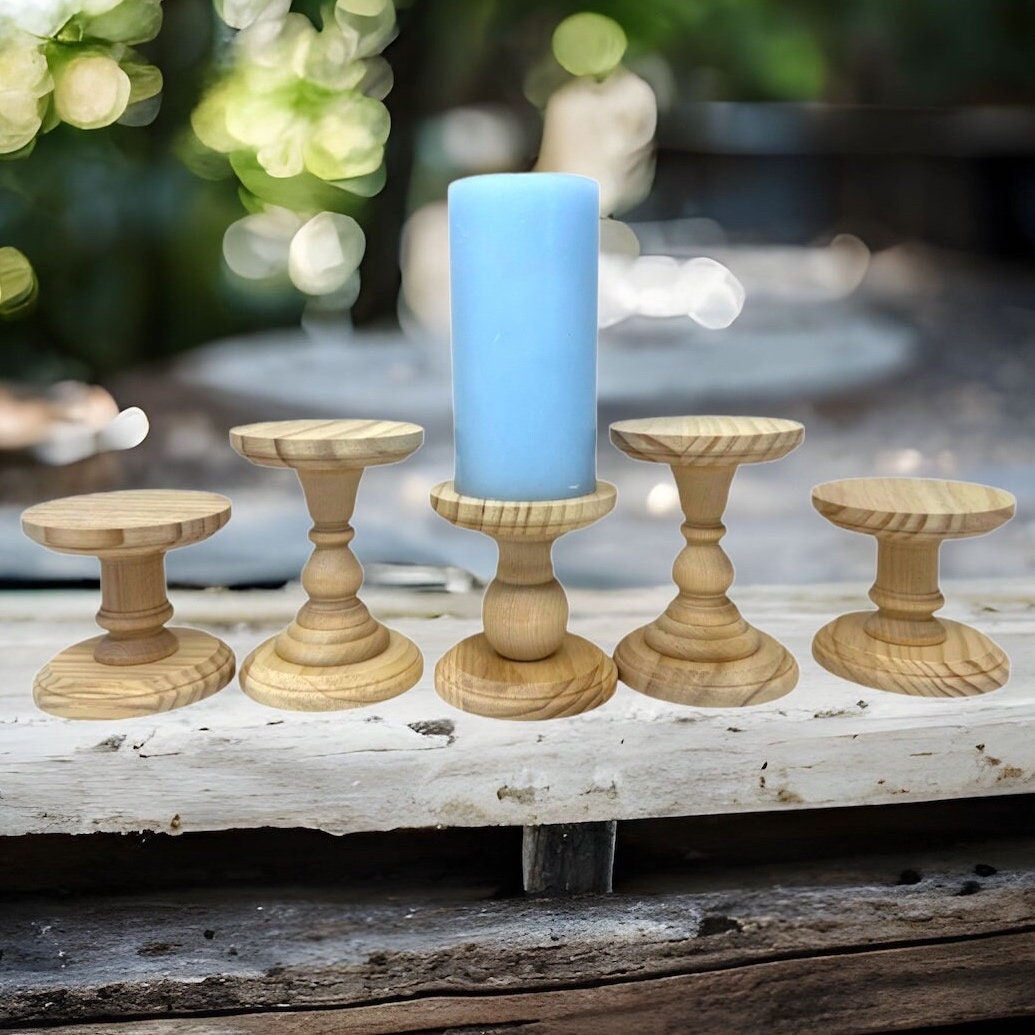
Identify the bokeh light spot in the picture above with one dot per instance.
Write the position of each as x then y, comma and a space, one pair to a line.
589, 44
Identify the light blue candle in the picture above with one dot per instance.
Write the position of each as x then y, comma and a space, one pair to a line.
523, 258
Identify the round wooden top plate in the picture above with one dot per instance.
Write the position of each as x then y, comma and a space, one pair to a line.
913, 507
326, 443
707, 441
140, 519
520, 519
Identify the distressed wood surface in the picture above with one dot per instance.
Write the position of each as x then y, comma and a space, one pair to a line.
568, 858
934, 985
414, 761
846, 947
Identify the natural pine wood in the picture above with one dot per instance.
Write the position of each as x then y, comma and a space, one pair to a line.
701, 651
75, 686
139, 667
902, 646
327, 444
334, 654
525, 664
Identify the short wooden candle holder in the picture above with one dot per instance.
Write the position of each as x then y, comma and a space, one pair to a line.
334, 654
901, 646
525, 665
701, 651
139, 667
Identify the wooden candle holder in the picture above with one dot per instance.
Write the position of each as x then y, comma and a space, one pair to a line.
334, 654
525, 665
138, 667
901, 646
701, 651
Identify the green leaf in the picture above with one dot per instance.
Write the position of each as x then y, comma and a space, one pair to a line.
301, 193
365, 186
18, 285
142, 113
132, 21
22, 152
251, 204
145, 81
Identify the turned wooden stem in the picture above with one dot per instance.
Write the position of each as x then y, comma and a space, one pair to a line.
525, 610
134, 610
703, 573
333, 627
906, 593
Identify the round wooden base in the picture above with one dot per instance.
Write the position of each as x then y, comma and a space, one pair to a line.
75, 686
967, 663
575, 678
763, 676
267, 678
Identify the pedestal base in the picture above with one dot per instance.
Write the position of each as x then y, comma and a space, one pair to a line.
763, 676
267, 678
967, 663
75, 686
576, 678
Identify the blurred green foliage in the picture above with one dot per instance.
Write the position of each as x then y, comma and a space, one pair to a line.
126, 239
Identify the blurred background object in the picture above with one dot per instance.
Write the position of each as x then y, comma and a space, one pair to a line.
859, 178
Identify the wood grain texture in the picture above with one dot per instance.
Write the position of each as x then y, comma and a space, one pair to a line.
149, 520
577, 677
913, 508
414, 762
701, 651
267, 678
722, 441
902, 647
857, 954
874, 991
140, 666
525, 664
568, 858
334, 654
75, 686
525, 520
320, 444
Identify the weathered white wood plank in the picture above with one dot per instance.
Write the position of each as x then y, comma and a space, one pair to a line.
415, 761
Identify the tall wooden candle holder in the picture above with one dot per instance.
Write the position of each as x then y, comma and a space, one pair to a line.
334, 654
901, 646
701, 651
139, 667
525, 664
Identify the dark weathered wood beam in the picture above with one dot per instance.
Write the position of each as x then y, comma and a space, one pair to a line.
568, 858
864, 946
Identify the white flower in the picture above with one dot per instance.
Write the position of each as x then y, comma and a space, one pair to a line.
256, 247
46, 18
239, 14
325, 253
25, 83
295, 100
90, 91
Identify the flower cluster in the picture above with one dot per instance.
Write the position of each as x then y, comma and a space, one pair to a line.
73, 61
299, 113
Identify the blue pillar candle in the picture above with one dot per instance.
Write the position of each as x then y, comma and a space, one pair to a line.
523, 259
